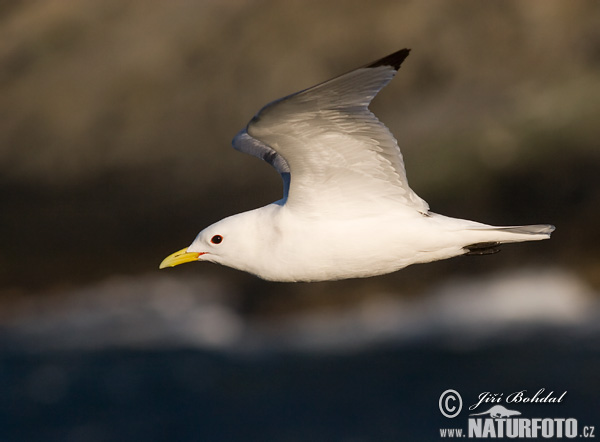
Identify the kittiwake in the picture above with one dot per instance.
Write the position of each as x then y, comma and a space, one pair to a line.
347, 210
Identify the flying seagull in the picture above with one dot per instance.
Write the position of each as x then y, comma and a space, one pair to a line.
347, 210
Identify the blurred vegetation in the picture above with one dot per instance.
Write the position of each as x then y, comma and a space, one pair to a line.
116, 119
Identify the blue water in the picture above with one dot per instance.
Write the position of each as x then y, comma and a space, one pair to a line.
387, 393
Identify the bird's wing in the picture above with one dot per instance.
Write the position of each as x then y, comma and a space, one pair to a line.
338, 153
245, 143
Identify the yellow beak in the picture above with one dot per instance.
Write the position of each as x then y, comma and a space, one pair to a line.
180, 257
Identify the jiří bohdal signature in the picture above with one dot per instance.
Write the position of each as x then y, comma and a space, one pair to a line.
518, 397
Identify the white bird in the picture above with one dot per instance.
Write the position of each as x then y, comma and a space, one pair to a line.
347, 210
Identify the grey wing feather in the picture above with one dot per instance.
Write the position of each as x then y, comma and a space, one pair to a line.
250, 145
243, 142
339, 153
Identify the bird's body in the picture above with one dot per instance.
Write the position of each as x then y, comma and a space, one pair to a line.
279, 244
347, 210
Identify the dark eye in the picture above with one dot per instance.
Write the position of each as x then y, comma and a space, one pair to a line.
216, 239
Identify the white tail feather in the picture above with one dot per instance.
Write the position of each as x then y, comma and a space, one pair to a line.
494, 234
537, 229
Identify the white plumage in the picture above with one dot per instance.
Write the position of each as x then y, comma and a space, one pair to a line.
347, 209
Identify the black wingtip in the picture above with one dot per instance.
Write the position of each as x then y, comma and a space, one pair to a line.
394, 60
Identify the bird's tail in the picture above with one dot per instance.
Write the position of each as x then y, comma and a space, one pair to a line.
491, 237
537, 229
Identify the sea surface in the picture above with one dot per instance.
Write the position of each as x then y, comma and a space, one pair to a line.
161, 358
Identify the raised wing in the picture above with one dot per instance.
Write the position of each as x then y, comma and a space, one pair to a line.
339, 154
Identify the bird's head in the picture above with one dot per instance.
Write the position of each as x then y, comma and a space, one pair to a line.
226, 242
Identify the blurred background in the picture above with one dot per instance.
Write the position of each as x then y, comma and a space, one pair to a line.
115, 127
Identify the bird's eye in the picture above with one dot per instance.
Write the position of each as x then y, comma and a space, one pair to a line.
216, 239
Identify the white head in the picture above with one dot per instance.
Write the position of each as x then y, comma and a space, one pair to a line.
234, 242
